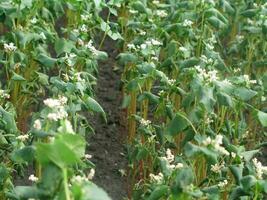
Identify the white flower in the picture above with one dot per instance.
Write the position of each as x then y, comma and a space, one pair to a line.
155, 42
183, 49
88, 156
53, 116
169, 156
63, 100
91, 174
212, 75
43, 35
187, 23
10, 47
216, 143
237, 70
141, 32
263, 98
37, 124
207, 141
22, 137
33, 178
161, 92
33, 20
155, 2
239, 37
233, 154
85, 17
84, 28
52, 103
248, 81
210, 46
222, 184
90, 46
260, 169
156, 178
143, 46
68, 125
4, 94
76, 31
171, 81
161, 13
131, 46
80, 42
144, 122
154, 58
208, 121
179, 166
133, 11
78, 179
206, 60
216, 168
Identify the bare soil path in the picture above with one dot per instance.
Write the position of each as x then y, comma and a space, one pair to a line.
106, 146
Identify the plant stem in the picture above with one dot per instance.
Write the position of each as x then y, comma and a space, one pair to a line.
66, 188
105, 34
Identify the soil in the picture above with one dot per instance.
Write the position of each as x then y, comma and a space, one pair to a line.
106, 145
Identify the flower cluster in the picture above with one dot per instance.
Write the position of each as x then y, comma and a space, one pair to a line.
207, 76
144, 122
169, 158
23, 137
90, 46
4, 94
37, 124
69, 59
10, 47
187, 23
33, 178
171, 81
156, 178
217, 167
216, 144
248, 81
161, 13
58, 108
260, 169
80, 179
222, 184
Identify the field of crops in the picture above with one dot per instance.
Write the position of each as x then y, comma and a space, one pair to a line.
133, 99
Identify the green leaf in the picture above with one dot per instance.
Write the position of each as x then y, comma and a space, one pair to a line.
26, 3
9, 121
244, 93
178, 124
75, 142
262, 118
184, 178
207, 98
125, 58
17, 77
91, 191
159, 192
43, 78
93, 105
26, 192
139, 6
46, 60
25, 154
63, 46
64, 151
237, 171
148, 95
97, 4
248, 181
248, 155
